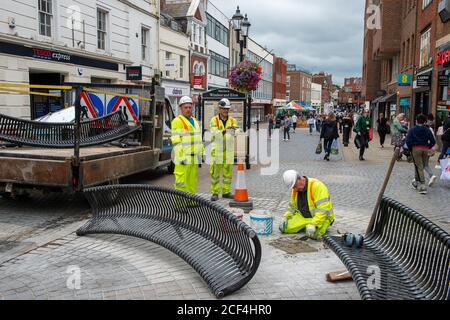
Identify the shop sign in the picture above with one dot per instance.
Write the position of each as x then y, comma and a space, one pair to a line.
443, 80
404, 80
442, 57
170, 65
404, 102
424, 80
134, 73
198, 81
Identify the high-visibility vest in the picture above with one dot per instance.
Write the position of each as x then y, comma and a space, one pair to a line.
222, 144
319, 201
186, 138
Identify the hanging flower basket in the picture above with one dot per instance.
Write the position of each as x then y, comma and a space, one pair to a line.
245, 76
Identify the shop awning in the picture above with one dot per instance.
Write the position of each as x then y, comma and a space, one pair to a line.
386, 98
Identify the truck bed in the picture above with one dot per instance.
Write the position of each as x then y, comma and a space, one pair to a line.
39, 167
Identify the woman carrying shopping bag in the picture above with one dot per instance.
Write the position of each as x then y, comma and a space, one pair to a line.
329, 134
362, 127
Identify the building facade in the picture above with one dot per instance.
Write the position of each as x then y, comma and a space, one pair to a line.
262, 97
402, 67
279, 83
218, 40
52, 42
299, 85
351, 93
316, 96
174, 60
326, 81
191, 15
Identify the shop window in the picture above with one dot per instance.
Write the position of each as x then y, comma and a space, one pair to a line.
425, 48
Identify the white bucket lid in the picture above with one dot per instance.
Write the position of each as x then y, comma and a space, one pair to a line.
261, 213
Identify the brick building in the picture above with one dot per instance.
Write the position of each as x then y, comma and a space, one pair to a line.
326, 81
298, 85
351, 92
279, 83
401, 68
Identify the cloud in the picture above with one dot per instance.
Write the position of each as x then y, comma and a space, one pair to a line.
317, 35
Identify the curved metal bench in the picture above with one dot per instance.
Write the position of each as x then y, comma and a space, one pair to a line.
223, 250
411, 252
98, 131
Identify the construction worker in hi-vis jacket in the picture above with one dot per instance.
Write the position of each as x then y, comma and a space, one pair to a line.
223, 130
188, 147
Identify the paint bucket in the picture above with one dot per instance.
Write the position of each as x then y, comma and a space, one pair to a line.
261, 221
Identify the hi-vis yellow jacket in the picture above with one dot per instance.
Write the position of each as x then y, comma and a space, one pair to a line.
319, 203
222, 145
187, 140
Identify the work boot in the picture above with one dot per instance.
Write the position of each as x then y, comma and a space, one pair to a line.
215, 198
228, 196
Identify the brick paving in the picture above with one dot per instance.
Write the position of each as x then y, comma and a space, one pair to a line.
38, 244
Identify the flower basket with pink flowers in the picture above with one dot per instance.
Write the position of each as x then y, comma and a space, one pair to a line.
245, 76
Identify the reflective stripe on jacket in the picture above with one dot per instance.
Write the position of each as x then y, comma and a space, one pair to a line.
222, 144
319, 202
186, 139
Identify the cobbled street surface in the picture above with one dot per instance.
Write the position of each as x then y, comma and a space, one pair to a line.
39, 247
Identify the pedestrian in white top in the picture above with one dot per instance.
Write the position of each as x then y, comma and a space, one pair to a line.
311, 123
294, 122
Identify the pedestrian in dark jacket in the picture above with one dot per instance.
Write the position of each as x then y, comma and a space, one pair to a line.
383, 130
329, 133
362, 127
420, 140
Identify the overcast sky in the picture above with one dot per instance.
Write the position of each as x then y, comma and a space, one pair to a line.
318, 35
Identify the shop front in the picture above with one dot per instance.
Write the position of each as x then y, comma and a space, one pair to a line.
258, 110
405, 107
175, 90
422, 93
35, 65
443, 90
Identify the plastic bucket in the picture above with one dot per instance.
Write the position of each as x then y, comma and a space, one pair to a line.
261, 221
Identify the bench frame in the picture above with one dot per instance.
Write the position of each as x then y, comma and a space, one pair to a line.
118, 209
411, 252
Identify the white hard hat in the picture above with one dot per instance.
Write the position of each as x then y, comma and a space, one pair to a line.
290, 178
225, 103
185, 100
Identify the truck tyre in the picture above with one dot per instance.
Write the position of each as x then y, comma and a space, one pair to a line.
171, 168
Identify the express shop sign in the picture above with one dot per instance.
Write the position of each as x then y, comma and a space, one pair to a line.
50, 55
443, 57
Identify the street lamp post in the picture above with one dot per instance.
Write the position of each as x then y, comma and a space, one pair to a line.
242, 25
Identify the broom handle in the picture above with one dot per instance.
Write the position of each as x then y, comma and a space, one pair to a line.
383, 189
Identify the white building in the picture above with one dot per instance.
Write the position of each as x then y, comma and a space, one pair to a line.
52, 42
217, 38
174, 59
316, 95
262, 98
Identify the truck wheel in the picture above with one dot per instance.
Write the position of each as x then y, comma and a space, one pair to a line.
171, 168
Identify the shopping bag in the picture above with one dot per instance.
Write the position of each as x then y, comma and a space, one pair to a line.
319, 148
445, 165
370, 134
358, 142
335, 147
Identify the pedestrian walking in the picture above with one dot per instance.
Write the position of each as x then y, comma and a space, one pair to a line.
286, 123
348, 125
294, 122
329, 133
383, 129
311, 123
318, 123
420, 141
361, 129
271, 126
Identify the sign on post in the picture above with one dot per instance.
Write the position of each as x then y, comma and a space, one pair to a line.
134, 73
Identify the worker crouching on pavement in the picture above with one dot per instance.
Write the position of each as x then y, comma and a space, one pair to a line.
188, 147
310, 207
223, 130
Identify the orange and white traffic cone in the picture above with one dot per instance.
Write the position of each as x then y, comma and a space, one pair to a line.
241, 199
